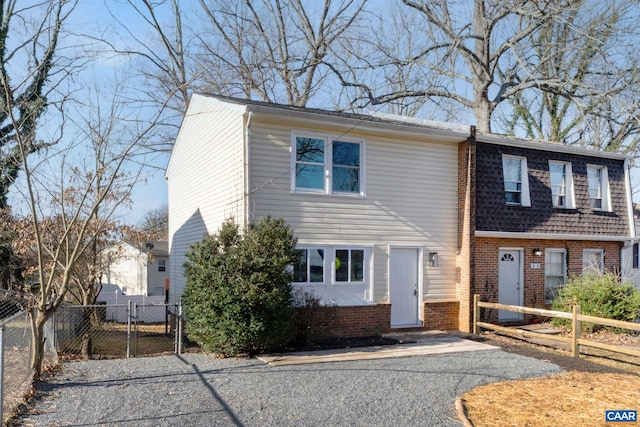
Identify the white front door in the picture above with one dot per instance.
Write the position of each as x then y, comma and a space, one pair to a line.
509, 282
404, 294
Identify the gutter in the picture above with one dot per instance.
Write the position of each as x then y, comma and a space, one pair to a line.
247, 152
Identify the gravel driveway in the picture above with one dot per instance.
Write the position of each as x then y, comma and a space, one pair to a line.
197, 389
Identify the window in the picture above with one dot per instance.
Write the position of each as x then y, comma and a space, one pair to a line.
516, 180
309, 266
349, 265
310, 163
598, 187
555, 273
327, 166
593, 261
162, 265
635, 255
561, 184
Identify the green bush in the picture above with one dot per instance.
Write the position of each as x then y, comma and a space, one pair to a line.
238, 294
601, 295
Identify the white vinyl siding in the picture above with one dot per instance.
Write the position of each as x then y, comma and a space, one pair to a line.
205, 176
411, 192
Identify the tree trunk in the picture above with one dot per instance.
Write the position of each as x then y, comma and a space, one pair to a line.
38, 320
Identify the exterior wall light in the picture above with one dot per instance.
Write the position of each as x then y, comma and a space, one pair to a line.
433, 259
537, 252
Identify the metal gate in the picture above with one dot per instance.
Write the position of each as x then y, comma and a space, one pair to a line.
119, 330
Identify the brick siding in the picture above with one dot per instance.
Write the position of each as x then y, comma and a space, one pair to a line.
487, 264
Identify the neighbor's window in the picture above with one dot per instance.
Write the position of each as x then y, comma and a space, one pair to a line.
309, 266
327, 166
162, 265
561, 184
516, 180
598, 187
349, 265
555, 273
593, 261
636, 264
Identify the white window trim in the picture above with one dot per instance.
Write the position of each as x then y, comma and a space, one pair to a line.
606, 189
593, 251
570, 199
564, 266
328, 164
329, 263
324, 267
525, 198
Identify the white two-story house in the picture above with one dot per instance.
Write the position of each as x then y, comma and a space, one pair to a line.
371, 200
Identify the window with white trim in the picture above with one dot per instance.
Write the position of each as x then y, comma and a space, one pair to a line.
325, 165
309, 266
349, 266
599, 195
516, 180
162, 265
592, 261
337, 265
561, 184
555, 273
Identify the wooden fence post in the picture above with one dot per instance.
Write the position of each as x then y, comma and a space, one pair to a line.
476, 313
575, 332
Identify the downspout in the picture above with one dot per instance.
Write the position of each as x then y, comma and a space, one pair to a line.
247, 138
627, 179
625, 264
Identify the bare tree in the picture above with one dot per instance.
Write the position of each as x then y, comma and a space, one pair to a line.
30, 72
271, 50
480, 53
588, 49
72, 196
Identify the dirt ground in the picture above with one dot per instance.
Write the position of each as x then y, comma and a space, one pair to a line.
592, 384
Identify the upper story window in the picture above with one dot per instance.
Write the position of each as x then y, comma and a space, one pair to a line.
599, 187
561, 184
516, 180
162, 265
324, 165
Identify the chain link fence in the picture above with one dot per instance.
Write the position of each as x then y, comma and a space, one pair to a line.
16, 351
95, 331
122, 330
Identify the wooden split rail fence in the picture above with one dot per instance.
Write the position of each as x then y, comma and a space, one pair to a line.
576, 318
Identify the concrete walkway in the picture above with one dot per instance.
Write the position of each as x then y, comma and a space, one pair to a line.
418, 344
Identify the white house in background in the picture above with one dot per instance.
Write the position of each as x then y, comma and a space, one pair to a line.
136, 270
371, 199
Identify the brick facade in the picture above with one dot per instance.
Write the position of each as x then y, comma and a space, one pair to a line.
347, 321
442, 315
466, 228
487, 264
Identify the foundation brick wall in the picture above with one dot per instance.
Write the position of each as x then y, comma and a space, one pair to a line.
349, 321
487, 264
442, 315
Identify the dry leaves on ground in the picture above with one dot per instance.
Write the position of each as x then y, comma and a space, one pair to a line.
570, 399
